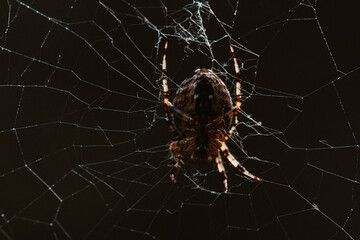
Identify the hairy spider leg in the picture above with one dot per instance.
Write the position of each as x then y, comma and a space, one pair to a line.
168, 105
221, 170
235, 163
237, 91
166, 89
177, 158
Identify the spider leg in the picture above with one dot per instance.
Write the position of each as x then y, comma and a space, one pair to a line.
237, 91
221, 170
168, 105
176, 157
237, 81
166, 90
235, 163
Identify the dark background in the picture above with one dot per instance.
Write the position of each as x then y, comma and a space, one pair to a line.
83, 141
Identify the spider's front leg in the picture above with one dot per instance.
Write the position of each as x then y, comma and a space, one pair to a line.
168, 105
237, 92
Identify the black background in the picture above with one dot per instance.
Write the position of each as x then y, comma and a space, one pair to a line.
83, 142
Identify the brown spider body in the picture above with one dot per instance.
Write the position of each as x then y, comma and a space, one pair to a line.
203, 118
204, 97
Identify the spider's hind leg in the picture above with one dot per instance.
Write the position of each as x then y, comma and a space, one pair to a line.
235, 163
176, 158
221, 170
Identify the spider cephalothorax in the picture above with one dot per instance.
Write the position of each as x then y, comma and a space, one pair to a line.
203, 118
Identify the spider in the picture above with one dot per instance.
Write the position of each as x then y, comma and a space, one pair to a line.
203, 118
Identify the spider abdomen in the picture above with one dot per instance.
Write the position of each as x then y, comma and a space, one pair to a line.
204, 97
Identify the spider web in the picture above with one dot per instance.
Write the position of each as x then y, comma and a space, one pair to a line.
84, 143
